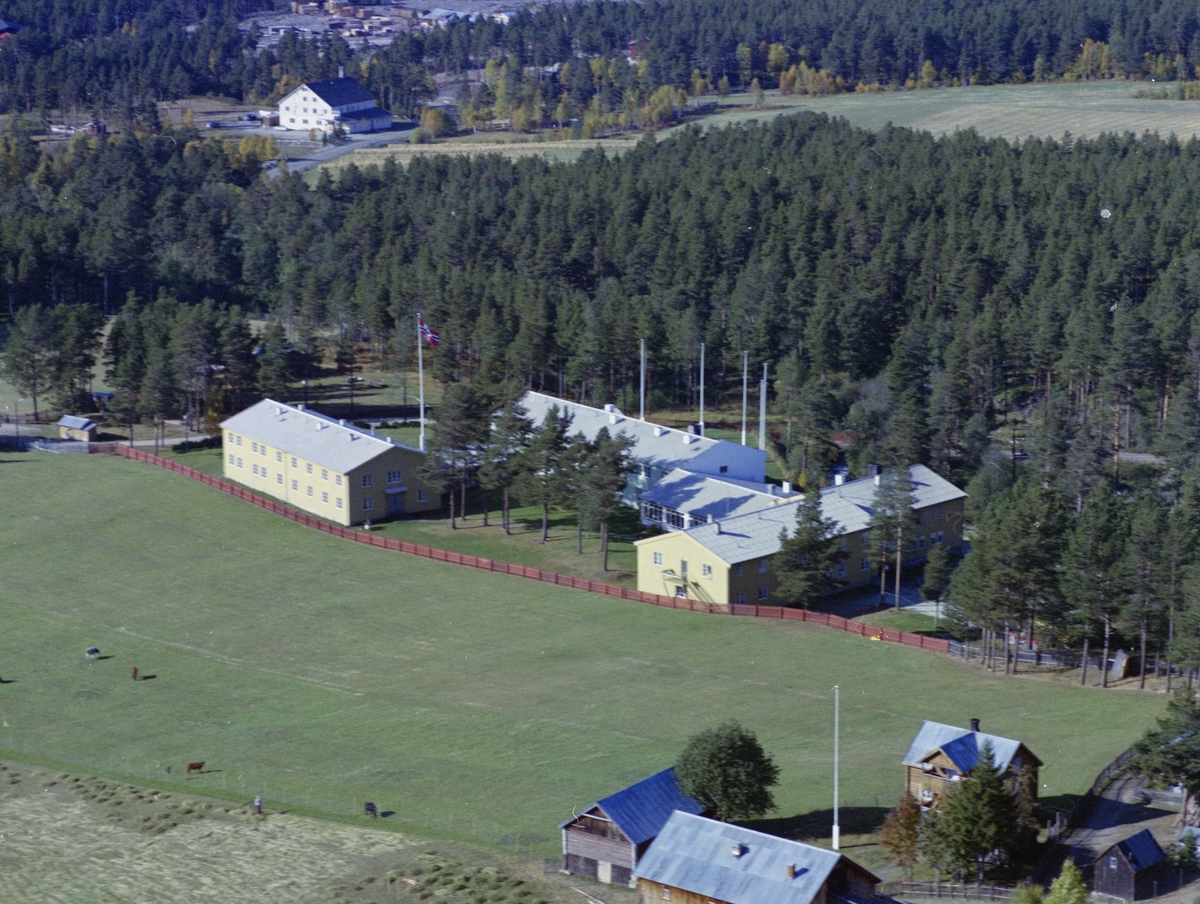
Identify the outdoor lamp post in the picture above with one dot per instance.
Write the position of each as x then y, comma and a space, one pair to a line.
186, 445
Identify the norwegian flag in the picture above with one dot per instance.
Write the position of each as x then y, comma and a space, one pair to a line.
426, 333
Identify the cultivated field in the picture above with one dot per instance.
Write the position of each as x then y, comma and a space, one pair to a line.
473, 706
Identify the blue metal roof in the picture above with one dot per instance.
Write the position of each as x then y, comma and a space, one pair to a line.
641, 810
698, 855
963, 752
1142, 851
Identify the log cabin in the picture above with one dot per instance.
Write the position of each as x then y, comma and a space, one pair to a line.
941, 755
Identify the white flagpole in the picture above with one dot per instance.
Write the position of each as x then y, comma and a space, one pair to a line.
642, 416
701, 388
762, 411
421, 379
745, 377
836, 713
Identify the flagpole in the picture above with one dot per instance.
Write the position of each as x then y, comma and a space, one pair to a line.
421, 380
745, 377
836, 713
642, 416
762, 411
701, 388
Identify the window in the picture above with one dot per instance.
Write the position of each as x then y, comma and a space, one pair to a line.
367, 481
937, 537
291, 119
865, 564
706, 571
762, 566
393, 476
325, 497
368, 504
683, 568
921, 542
239, 440
666, 894
308, 467
254, 468
262, 449
279, 478
295, 484
841, 569
422, 496
681, 591
866, 538
337, 479
658, 558
741, 598
254, 447
324, 474
310, 489
339, 502
724, 469
279, 456
926, 796
1112, 862
937, 513
293, 461
762, 592
231, 458
652, 511
239, 462
843, 544
737, 571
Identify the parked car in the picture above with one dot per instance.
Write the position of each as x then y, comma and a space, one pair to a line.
212, 125
249, 117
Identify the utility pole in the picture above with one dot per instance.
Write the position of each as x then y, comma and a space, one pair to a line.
745, 378
836, 718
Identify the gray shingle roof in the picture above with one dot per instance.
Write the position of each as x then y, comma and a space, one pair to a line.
641, 810
662, 447
701, 495
338, 92
696, 854
322, 440
756, 534
962, 745
76, 423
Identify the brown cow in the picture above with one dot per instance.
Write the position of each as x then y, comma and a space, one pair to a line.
133, 672
195, 767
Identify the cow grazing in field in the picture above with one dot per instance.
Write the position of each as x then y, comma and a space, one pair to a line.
370, 810
91, 652
195, 767
133, 672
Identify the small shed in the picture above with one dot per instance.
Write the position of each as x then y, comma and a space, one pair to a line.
1128, 869
607, 840
77, 428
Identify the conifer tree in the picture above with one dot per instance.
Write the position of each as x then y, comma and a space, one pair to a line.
891, 521
542, 476
808, 557
508, 439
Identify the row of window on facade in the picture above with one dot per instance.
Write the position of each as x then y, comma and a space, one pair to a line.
368, 504
706, 570
763, 594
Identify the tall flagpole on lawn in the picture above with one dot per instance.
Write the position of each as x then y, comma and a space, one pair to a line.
642, 393
421, 380
701, 388
836, 713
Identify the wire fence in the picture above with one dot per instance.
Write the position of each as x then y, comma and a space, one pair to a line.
870, 632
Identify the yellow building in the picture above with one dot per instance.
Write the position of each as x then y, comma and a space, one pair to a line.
324, 466
729, 560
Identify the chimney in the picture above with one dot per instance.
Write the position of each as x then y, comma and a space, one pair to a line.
974, 725
738, 849
839, 479
791, 871
372, 429
658, 431
342, 422
873, 470
711, 518
876, 480
612, 418
787, 488
687, 439
341, 71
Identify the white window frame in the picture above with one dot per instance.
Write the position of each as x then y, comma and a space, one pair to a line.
368, 481
706, 571
762, 592
658, 559
368, 504
422, 496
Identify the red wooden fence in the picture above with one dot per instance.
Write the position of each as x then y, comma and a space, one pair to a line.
549, 577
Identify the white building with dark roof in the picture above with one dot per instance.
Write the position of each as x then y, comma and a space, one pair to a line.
727, 560
325, 466
331, 102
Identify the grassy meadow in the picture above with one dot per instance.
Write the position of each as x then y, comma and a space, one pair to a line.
474, 706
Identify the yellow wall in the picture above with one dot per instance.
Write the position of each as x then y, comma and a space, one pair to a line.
743, 581
337, 497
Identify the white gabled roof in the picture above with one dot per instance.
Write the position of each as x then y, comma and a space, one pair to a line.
653, 444
755, 535
322, 440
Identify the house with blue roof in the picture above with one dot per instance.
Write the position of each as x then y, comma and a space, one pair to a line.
607, 839
702, 861
940, 755
1128, 869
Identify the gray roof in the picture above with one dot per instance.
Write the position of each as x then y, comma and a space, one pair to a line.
701, 495
962, 745
662, 447
696, 854
322, 440
756, 534
338, 92
76, 423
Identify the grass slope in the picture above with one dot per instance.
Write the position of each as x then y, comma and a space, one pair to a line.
478, 706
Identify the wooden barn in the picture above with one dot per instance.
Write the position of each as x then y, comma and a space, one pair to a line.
695, 860
607, 840
1128, 869
941, 755
79, 429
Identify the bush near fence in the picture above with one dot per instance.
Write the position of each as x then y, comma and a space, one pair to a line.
850, 626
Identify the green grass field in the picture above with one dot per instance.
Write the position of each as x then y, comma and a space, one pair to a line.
321, 673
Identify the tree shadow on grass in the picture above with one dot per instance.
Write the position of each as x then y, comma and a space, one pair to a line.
818, 824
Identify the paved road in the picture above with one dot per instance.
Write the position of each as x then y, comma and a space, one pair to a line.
353, 143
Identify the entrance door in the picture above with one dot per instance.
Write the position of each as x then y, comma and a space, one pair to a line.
395, 504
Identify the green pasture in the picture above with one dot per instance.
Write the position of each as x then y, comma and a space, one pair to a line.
1016, 112
321, 673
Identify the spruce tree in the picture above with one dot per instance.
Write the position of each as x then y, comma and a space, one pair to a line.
808, 558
